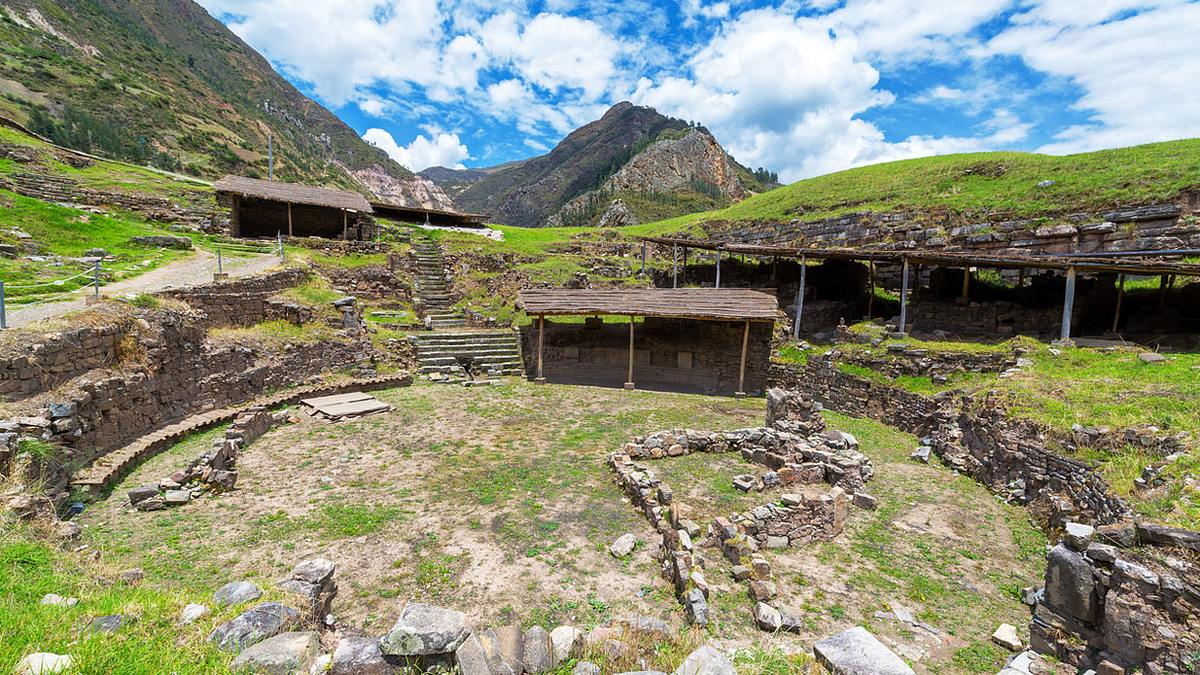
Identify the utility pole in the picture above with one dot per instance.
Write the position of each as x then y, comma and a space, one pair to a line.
270, 155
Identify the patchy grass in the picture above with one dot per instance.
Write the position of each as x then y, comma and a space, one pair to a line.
276, 333
29, 570
64, 233
996, 183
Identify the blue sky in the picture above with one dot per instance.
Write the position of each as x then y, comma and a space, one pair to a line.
800, 87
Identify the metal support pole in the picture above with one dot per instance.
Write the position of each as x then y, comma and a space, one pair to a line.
279, 243
643, 257
96, 279
541, 346
270, 155
629, 380
220, 266
3, 315
1068, 305
675, 266
289, 220
904, 297
741, 390
718, 284
800, 298
1120, 298
685, 257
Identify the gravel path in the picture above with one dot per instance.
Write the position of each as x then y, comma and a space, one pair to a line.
185, 273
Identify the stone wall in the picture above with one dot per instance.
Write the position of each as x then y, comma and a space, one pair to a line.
44, 363
679, 355
374, 282
244, 301
1015, 459
1118, 610
1164, 226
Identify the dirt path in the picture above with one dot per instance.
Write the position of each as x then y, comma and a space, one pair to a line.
192, 271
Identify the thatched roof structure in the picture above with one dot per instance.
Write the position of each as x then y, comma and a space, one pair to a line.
708, 304
292, 193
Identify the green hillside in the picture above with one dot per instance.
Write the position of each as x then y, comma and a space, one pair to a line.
999, 184
161, 82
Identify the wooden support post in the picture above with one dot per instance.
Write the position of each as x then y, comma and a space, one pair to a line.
541, 378
1068, 305
800, 298
1120, 299
916, 290
1021, 278
871, 294
741, 390
685, 257
675, 266
235, 217
629, 380
718, 284
904, 297
345, 225
966, 286
289, 220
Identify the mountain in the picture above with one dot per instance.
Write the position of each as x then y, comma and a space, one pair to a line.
453, 181
655, 165
161, 82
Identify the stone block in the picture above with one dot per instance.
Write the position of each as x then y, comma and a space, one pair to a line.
857, 652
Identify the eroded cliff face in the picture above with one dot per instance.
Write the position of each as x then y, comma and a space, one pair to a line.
411, 191
678, 164
696, 162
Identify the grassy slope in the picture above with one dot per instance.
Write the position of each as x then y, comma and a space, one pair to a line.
990, 182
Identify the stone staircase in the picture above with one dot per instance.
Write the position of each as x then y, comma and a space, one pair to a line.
486, 352
431, 285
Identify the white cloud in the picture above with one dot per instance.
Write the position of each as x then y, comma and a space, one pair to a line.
555, 52
1135, 63
438, 149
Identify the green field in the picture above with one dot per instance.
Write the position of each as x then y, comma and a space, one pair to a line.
1001, 184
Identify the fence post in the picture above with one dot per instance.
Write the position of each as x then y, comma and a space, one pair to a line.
96, 279
279, 239
220, 268
3, 316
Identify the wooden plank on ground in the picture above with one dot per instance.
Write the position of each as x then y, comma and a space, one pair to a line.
336, 399
354, 408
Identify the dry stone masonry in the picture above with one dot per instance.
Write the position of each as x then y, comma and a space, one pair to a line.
795, 449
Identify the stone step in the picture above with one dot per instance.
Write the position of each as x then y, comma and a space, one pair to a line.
479, 362
488, 356
513, 369
452, 341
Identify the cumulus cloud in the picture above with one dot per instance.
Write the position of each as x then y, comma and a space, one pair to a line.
1134, 61
438, 149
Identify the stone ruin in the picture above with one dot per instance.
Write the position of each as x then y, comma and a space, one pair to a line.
213, 472
795, 449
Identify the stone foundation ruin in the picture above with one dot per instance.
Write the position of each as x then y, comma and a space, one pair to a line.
796, 450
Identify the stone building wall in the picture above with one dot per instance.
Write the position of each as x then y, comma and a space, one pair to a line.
1013, 458
245, 301
1164, 226
678, 355
57, 358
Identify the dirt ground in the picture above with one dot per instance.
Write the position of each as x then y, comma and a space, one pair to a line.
497, 501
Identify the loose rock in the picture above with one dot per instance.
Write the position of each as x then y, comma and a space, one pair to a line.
45, 663
256, 624
857, 652
425, 630
567, 642
1006, 636
284, 654
360, 656
623, 546
236, 593
705, 661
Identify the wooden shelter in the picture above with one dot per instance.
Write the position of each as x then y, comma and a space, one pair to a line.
423, 216
691, 338
261, 208
1165, 264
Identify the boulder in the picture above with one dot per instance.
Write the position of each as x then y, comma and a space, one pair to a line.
585, 668
177, 497
623, 545
57, 600
361, 656
696, 607
705, 661
645, 626
313, 581
1079, 536
767, 617
425, 630
284, 654
512, 647
1006, 636
106, 625
193, 613
567, 642
539, 651
256, 624
857, 652
1070, 586
140, 494
45, 663
236, 593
